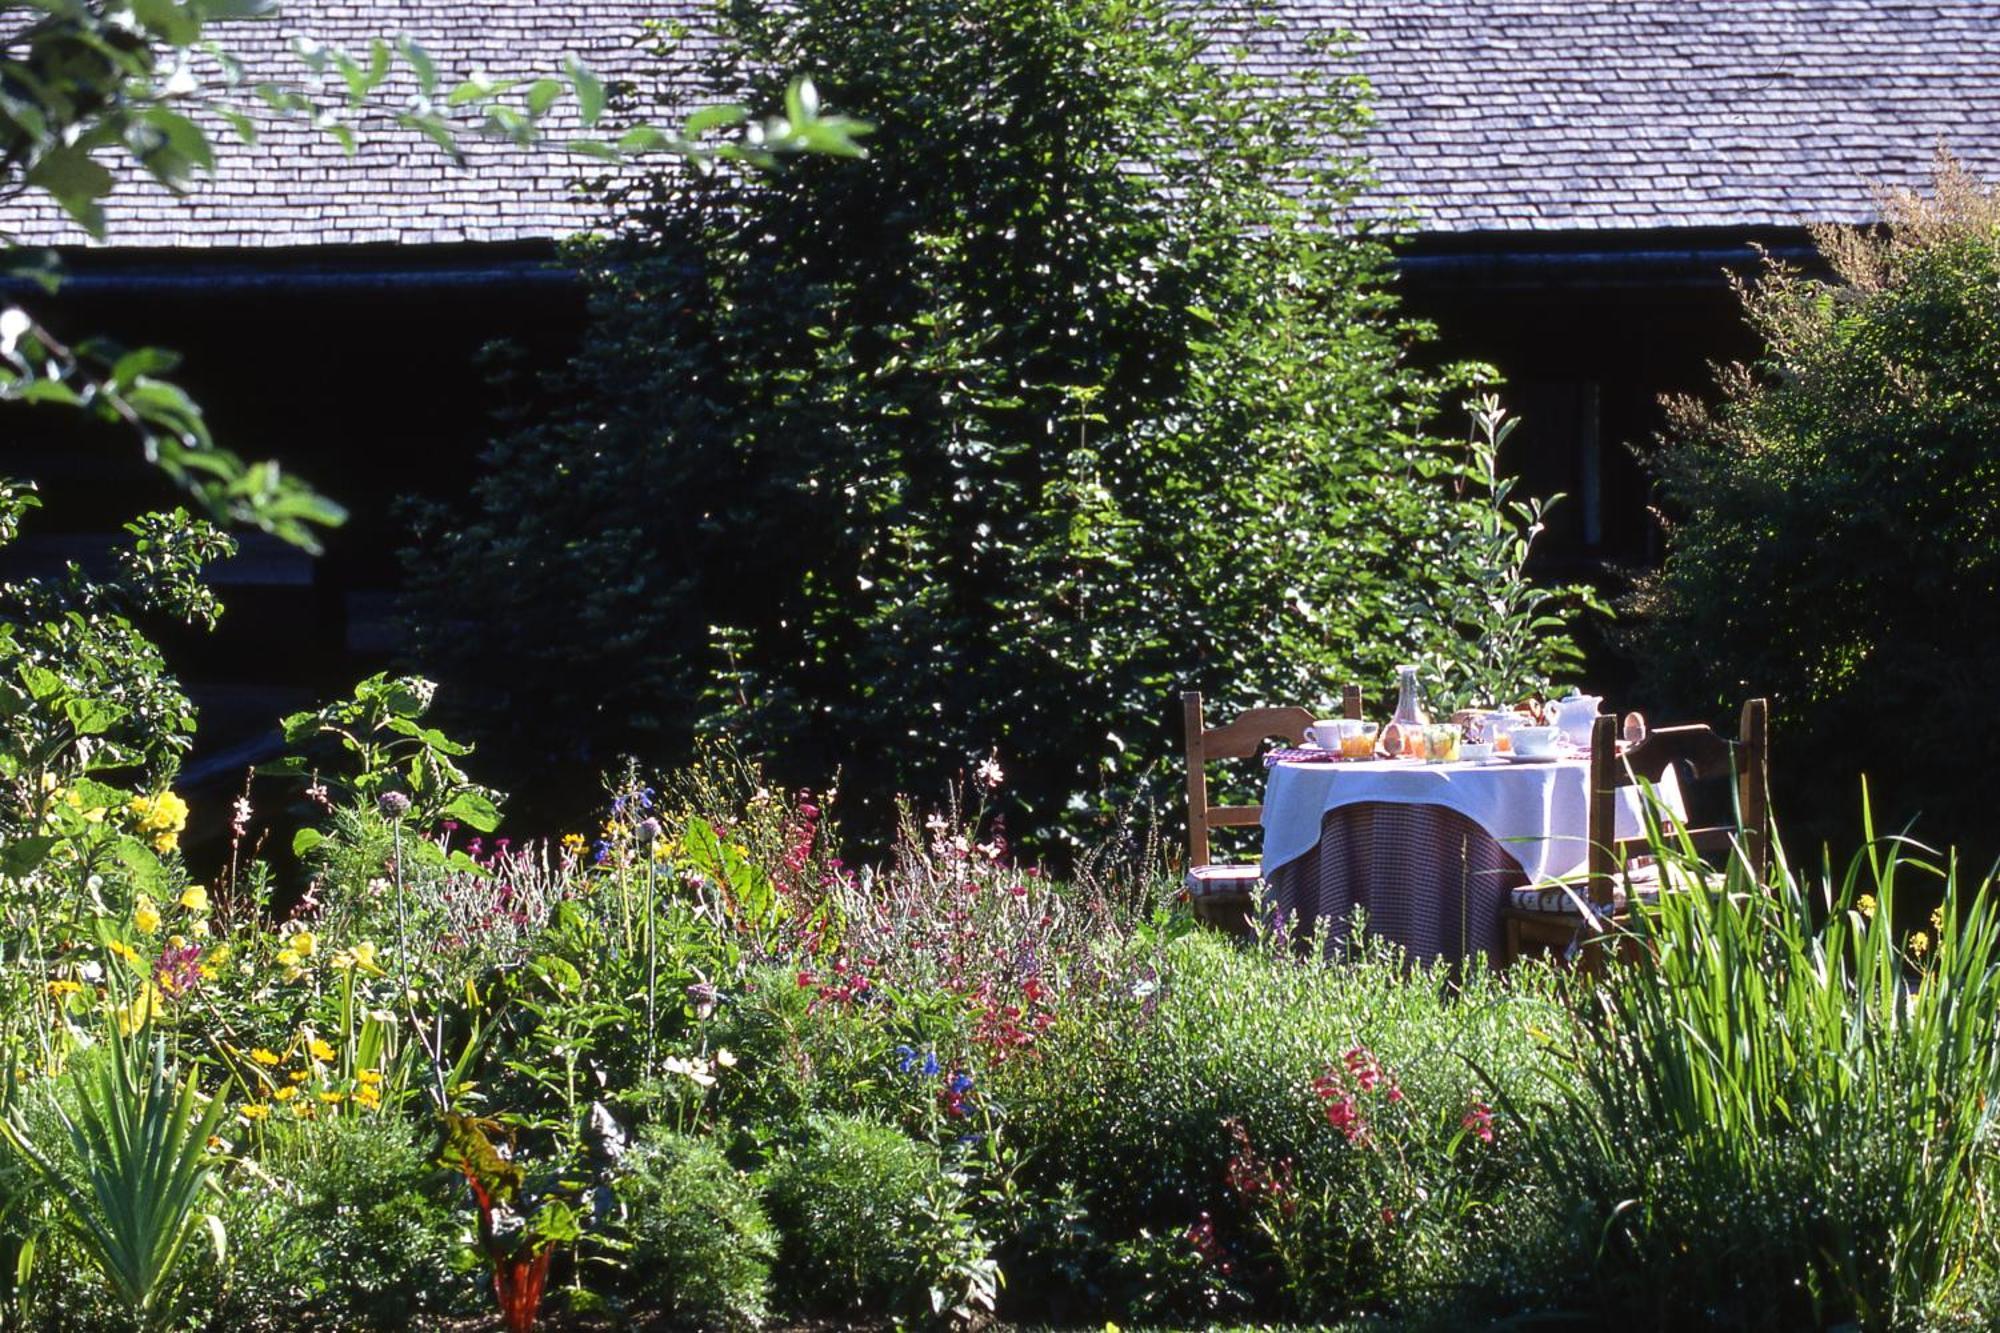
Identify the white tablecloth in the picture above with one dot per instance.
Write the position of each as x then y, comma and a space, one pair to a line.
1538, 812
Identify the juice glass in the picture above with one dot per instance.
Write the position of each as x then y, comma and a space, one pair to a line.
1357, 740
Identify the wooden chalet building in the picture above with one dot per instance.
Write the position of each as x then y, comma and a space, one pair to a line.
1580, 175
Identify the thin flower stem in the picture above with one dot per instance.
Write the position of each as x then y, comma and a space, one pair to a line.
652, 955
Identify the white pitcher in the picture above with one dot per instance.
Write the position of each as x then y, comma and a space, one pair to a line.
1574, 714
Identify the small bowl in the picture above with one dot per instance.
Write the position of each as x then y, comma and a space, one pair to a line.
1475, 752
1535, 742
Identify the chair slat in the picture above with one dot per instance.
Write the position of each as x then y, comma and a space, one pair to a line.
1246, 733
1235, 816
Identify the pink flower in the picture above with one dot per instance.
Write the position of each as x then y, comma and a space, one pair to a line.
1479, 1119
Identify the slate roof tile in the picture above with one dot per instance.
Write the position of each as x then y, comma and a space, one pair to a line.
1491, 115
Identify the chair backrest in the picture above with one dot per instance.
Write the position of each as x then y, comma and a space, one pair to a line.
1696, 752
1243, 736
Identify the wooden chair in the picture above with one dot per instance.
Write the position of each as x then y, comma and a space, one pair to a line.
1222, 894
1557, 917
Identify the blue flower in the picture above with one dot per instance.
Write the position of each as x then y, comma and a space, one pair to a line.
909, 1061
961, 1082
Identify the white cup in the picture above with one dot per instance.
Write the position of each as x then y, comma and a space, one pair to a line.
1325, 734
1535, 742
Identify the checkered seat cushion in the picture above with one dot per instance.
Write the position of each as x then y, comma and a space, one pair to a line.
1210, 881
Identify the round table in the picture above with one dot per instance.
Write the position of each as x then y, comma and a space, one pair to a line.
1428, 851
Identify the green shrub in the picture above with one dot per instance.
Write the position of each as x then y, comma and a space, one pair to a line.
871, 1223
1079, 390
343, 1219
1837, 542
701, 1246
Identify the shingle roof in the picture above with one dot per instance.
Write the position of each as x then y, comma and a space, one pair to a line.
1492, 115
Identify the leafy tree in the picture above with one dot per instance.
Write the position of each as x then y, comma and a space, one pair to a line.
1083, 389
1838, 545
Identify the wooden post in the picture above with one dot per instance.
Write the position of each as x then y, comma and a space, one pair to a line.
1197, 781
1601, 859
1754, 789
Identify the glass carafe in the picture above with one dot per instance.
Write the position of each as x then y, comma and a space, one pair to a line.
1405, 731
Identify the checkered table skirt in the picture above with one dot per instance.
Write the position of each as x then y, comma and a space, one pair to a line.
1428, 878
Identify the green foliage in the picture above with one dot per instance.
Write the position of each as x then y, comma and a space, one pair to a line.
1520, 628
700, 1246
85, 689
343, 1220
143, 1181
1077, 391
1172, 1105
1787, 1119
870, 1221
377, 742
1838, 534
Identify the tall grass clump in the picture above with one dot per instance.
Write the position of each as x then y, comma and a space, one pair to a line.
1783, 1118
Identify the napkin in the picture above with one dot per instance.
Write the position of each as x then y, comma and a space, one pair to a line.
1301, 757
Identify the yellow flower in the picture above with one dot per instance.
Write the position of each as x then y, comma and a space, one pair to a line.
1920, 944
1937, 919
286, 958
369, 1077
320, 1050
195, 898
145, 915
64, 987
303, 943
367, 1098
264, 1056
166, 842
254, 1110
1866, 903
361, 955
284, 1094
333, 1098
165, 813
125, 951
573, 842
298, 1076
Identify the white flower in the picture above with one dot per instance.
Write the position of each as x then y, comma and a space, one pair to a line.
693, 1070
725, 1058
989, 772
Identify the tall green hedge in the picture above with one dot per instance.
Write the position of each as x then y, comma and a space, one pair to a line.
1838, 542
1083, 388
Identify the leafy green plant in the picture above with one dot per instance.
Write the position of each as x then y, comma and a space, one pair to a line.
141, 1146
869, 1221
520, 1226
342, 1219
1520, 631
1785, 1118
377, 743
700, 1245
